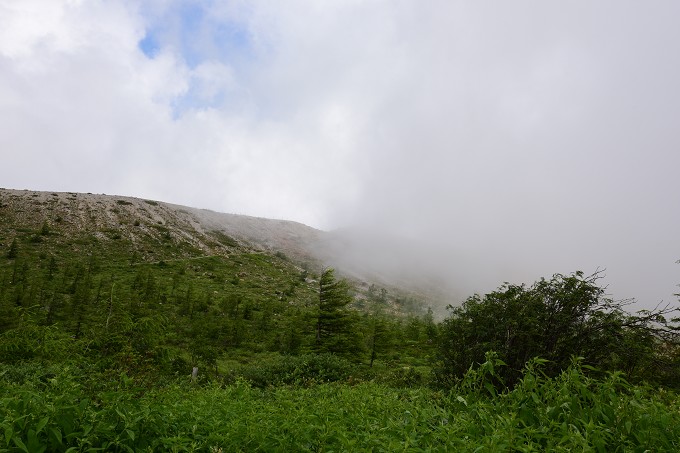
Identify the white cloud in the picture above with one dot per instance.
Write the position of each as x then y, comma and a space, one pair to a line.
88, 111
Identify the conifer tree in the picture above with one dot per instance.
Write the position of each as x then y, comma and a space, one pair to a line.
379, 335
13, 250
334, 321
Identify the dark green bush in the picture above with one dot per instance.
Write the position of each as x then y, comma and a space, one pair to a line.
299, 370
555, 319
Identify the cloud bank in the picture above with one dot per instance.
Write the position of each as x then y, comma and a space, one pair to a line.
522, 138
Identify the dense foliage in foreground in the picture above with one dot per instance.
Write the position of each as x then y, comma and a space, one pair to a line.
50, 409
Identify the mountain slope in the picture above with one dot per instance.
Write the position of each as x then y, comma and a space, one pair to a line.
149, 286
147, 231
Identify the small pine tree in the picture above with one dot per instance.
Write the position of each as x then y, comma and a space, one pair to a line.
13, 250
335, 330
379, 336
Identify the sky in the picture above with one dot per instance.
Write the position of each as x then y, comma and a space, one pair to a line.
518, 139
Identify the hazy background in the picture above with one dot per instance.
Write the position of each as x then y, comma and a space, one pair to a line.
512, 139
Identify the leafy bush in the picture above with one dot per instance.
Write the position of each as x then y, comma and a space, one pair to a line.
554, 319
32, 341
403, 377
52, 411
299, 370
570, 412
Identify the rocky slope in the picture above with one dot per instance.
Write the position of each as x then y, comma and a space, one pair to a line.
154, 231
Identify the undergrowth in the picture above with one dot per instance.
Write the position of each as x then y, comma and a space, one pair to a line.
50, 409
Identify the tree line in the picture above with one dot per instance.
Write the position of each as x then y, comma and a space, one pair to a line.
170, 317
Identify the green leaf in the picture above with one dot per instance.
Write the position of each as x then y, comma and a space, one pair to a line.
56, 432
20, 444
9, 432
41, 424
130, 433
34, 442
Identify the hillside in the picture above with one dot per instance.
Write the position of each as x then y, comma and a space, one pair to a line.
222, 283
147, 231
137, 223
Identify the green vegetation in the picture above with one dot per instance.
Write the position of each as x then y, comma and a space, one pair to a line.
103, 320
336, 330
13, 250
556, 319
52, 409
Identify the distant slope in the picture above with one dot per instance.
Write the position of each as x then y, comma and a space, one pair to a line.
151, 231
110, 217
294, 239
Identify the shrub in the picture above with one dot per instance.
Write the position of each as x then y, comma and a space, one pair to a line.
298, 370
554, 319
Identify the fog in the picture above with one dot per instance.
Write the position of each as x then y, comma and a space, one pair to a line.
491, 141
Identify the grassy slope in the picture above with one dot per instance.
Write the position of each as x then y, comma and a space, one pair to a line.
85, 262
